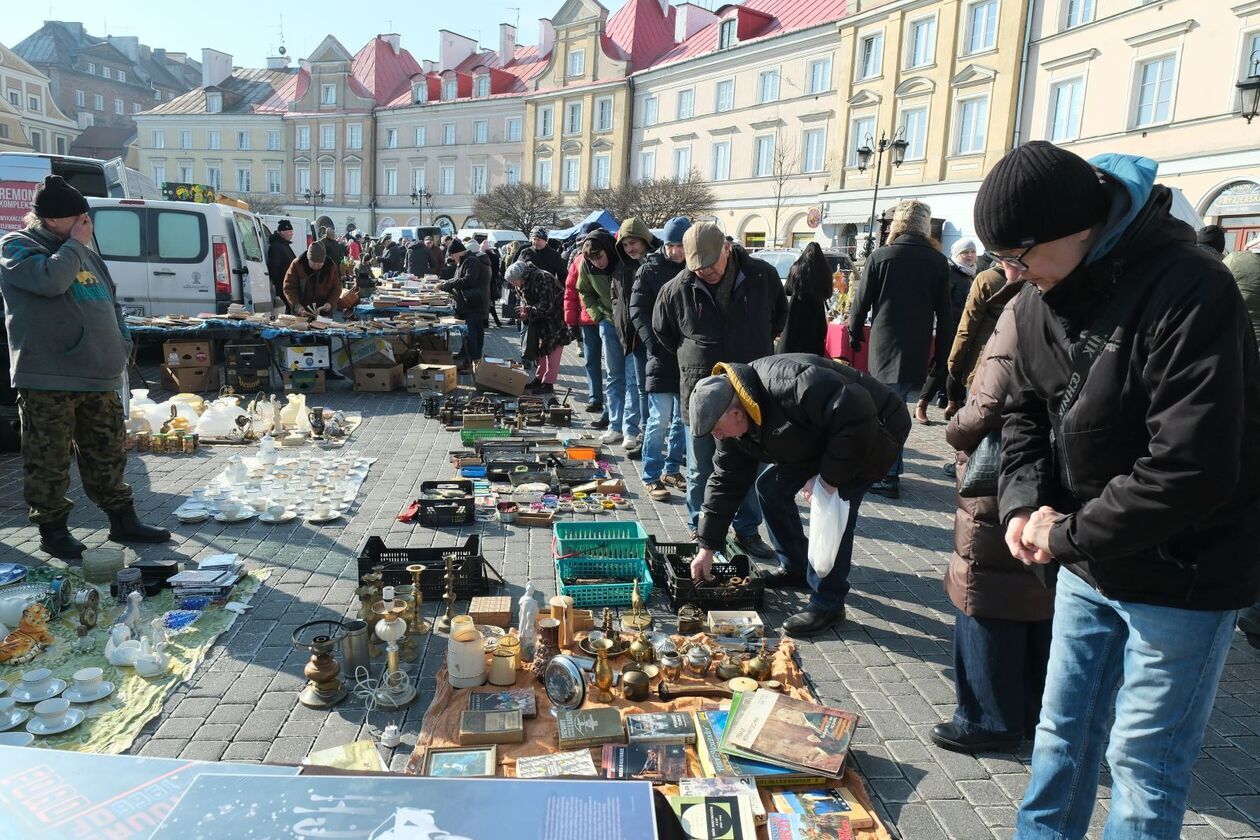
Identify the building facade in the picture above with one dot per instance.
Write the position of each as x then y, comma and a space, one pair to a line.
40, 124
1157, 80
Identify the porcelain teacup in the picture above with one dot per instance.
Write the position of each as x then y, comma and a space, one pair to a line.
87, 681
321, 509
275, 510
7, 706
52, 713
35, 682
230, 508
198, 495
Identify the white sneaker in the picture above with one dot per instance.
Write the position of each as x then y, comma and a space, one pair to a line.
610, 437
632, 442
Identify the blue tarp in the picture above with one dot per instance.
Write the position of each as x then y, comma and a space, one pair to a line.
603, 217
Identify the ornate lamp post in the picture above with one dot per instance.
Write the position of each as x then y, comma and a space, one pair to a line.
898, 145
1250, 88
313, 199
422, 196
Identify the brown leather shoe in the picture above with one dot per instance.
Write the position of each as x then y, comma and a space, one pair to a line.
921, 415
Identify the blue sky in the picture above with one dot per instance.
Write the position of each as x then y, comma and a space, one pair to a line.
251, 29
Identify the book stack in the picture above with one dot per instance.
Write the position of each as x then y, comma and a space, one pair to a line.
765, 726
214, 578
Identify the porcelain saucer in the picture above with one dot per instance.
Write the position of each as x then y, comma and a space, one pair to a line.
241, 516
11, 573
102, 691
16, 717
4, 686
55, 687
287, 516
320, 520
191, 516
71, 719
16, 739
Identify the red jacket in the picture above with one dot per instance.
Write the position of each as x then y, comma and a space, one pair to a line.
574, 312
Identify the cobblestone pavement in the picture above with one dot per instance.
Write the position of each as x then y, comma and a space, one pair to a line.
891, 661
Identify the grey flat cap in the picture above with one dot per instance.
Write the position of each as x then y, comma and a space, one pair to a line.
710, 399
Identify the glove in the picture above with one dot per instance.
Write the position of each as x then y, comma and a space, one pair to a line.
856, 344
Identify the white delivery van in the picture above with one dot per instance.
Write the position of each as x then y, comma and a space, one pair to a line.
181, 257
303, 231
498, 238
22, 172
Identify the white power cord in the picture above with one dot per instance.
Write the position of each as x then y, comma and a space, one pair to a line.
366, 688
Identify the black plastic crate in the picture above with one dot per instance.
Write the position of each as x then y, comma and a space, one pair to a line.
670, 564
245, 356
502, 469
568, 469
470, 567
446, 511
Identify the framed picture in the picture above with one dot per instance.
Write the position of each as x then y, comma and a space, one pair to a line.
461, 761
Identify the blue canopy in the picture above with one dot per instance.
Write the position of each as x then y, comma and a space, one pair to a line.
603, 217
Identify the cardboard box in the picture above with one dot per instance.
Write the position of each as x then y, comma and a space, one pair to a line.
305, 358
190, 380
378, 379
246, 355
437, 357
193, 354
372, 352
431, 341
506, 377
440, 378
305, 381
248, 379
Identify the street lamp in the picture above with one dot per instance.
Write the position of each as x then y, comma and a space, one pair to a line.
1251, 85
898, 144
313, 199
422, 196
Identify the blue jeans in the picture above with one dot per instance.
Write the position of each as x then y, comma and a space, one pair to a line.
777, 487
592, 357
700, 452
476, 326
663, 410
1161, 665
999, 673
907, 392
614, 375
636, 398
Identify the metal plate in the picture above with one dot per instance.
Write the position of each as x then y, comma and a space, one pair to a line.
566, 689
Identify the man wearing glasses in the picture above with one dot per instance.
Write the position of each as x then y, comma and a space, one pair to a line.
1130, 461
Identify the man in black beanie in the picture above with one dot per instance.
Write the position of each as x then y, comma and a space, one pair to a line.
1211, 238
1129, 461
68, 346
471, 289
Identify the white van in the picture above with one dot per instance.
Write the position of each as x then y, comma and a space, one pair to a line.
498, 238
303, 232
22, 172
181, 257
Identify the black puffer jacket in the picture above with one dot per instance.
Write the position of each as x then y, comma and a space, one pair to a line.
470, 286
687, 320
1156, 464
548, 259
280, 255
662, 364
802, 409
419, 259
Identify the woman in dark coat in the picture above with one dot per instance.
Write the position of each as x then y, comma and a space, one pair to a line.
542, 308
809, 288
1003, 611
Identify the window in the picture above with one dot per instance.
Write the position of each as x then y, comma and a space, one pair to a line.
767, 86
37, 141
763, 165
4, 131
650, 110
34, 103
328, 136
922, 47
15, 98
1078, 12
391, 138
512, 174
601, 171
871, 56
214, 177
682, 161
244, 180
725, 99
573, 118
446, 180
157, 95
120, 107
604, 113
647, 164
92, 68
1066, 101
303, 140
1155, 90
981, 26
577, 63
570, 175
273, 141
449, 89
512, 129
302, 177
107, 72
354, 136
481, 86
448, 134
418, 178
721, 161
185, 173
686, 103
543, 129
815, 158
972, 122
862, 134
481, 131
242, 141
727, 33
159, 173
819, 75
122, 76
274, 185
212, 140
182, 235
119, 233
420, 137
477, 178
542, 173
135, 107
245, 235
185, 138
328, 179
214, 102
98, 102
354, 180
328, 94
420, 93
914, 120
159, 139
391, 181
79, 98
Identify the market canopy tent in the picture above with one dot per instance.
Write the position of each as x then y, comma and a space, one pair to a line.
603, 217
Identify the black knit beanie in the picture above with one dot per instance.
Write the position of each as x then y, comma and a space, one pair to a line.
455, 247
55, 199
1038, 193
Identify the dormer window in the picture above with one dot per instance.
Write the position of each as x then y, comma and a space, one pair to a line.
328, 94
577, 63
726, 33
481, 86
448, 90
214, 103
420, 93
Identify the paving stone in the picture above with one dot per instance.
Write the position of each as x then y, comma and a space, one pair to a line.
246, 751
1231, 823
163, 748
289, 750
204, 750
179, 728
917, 821
997, 816
983, 792
960, 820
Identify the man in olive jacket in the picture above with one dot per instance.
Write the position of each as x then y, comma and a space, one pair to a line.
823, 427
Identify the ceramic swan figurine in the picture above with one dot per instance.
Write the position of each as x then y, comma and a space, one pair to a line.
131, 615
151, 661
121, 650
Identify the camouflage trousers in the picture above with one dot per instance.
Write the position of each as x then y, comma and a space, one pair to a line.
59, 424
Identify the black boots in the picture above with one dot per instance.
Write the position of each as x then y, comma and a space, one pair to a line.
125, 527
55, 539
811, 622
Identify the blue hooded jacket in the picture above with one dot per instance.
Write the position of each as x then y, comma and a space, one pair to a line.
1137, 176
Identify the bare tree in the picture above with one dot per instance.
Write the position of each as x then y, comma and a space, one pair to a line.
654, 201
263, 204
516, 207
782, 165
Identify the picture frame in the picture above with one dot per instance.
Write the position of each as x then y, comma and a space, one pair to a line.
461, 762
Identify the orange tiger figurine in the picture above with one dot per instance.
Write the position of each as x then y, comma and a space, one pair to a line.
32, 633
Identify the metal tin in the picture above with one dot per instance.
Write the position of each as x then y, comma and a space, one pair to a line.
634, 684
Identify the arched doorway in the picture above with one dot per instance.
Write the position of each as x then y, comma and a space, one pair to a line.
445, 224
1235, 206
384, 222
753, 232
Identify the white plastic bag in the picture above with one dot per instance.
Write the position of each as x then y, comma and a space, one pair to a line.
828, 518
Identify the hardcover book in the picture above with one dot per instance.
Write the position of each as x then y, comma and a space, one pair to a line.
507, 698
714, 817
774, 727
726, 786
491, 727
575, 763
646, 762
660, 727
824, 807
589, 727
710, 725
798, 827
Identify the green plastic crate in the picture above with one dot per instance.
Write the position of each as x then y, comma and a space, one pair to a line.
619, 540
604, 594
469, 436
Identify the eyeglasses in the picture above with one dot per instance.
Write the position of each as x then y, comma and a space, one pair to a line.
1013, 262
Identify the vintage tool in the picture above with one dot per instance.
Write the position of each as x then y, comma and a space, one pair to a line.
324, 689
561, 414
602, 678
669, 691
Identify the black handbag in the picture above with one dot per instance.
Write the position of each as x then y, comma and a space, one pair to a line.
983, 466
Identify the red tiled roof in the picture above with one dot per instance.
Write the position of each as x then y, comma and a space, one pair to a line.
787, 16
526, 63
382, 72
642, 31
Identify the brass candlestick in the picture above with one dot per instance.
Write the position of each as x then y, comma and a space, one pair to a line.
444, 623
608, 624
417, 626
